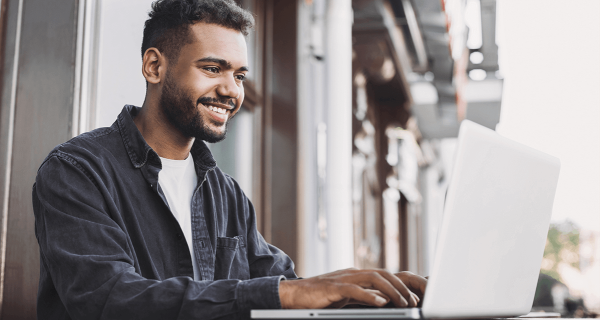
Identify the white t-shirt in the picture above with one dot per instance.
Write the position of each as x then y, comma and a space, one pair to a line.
178, 180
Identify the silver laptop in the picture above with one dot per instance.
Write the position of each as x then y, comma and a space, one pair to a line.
491, 241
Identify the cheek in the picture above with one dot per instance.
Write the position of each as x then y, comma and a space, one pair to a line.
240, 100
203, 88
238, 103
199, 85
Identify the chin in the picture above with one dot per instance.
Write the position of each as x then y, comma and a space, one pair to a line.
212, 136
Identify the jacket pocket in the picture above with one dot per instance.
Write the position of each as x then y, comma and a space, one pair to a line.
231, 259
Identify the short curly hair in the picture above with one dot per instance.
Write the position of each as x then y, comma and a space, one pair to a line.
168, 25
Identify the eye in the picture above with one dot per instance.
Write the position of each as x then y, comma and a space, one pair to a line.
240, 77
212, 69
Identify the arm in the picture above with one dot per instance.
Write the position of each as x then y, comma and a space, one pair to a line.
89, 261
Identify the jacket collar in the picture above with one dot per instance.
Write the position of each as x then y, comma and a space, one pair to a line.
139, 151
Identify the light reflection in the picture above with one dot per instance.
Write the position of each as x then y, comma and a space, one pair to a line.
476, 57
477, 74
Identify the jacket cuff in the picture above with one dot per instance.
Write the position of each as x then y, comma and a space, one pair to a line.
259, 293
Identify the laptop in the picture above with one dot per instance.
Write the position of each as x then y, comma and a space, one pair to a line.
492, 236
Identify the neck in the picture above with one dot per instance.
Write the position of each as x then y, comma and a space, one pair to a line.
166, 140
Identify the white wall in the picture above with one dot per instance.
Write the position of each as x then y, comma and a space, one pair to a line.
120, 79
550, 58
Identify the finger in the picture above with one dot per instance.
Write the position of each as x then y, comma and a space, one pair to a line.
339, 304
400, 286
357, 294
415, 296
415, 283
377, 292
373, 279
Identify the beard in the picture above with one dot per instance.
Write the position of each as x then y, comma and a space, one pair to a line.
183, 113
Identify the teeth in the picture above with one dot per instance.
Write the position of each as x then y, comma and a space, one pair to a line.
218, 110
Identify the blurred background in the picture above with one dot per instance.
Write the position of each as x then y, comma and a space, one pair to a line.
346, 138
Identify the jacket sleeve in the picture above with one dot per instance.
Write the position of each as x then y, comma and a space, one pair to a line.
88, 259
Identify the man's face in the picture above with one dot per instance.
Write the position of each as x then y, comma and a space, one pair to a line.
204, 89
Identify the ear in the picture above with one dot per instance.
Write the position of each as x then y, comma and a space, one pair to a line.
153, 65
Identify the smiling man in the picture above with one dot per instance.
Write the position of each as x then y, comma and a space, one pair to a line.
136, 221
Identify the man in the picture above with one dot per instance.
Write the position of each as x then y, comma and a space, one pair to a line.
136, 221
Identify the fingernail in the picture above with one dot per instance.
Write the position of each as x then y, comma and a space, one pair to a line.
380, 301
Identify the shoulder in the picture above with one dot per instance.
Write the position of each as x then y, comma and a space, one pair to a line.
85, 150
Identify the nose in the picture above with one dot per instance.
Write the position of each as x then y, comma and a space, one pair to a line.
229, 88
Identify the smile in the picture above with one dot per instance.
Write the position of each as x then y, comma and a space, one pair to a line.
216, 109
218, 115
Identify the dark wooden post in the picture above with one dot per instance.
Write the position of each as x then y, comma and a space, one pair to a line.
37, 110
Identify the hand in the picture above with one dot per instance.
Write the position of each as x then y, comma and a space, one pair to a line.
336, 289
414, 282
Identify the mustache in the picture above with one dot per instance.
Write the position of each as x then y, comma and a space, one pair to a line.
205, 100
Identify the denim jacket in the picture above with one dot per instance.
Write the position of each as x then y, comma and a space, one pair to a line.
110, 248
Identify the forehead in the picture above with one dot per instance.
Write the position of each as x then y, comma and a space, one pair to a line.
211, 40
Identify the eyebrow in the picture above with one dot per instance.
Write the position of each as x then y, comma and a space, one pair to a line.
221, 62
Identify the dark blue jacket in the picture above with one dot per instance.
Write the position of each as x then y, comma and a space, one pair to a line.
111, 249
